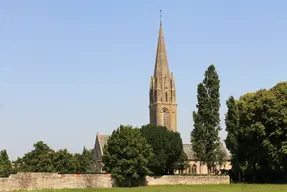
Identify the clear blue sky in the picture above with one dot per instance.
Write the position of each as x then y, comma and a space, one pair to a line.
70, 69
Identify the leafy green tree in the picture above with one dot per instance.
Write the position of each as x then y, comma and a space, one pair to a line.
232, 125
40, 159
174, 151
78, 162
167, 149
5, 164
86, 159
204, 137
260, 151
43, 159
83, 161
156, 136
232, 128
63, 162
181, 164
126, 156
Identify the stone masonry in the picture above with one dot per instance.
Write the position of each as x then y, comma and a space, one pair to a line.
38, 181
162, 94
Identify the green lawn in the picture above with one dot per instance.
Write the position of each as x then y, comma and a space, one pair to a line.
196, 188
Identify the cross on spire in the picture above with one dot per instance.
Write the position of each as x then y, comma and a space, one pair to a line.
160, 15
161, 63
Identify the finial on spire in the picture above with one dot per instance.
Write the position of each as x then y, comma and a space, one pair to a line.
160, 15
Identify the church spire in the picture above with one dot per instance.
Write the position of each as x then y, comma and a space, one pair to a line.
162, 93
161, 63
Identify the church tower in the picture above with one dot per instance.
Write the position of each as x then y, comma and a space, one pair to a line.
162, 94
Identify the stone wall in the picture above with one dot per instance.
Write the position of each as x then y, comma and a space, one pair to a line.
36, 181
187, 180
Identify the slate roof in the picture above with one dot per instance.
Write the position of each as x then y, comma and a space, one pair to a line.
186, 147
103, 139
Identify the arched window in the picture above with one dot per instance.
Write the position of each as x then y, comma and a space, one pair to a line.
193, 169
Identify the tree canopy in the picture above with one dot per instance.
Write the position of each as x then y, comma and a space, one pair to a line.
204, 137
40, 159
126, 156
5, 164
64, 162
83, 161
167, 149
44, 159
257, 134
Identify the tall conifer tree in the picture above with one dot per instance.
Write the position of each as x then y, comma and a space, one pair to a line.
204, 137
5, 164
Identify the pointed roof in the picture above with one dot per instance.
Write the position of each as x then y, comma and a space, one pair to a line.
103, 139
161, 63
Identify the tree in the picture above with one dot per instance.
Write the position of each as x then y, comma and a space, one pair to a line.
83, 161
204, 137
126, 156
40, 159
232, 125
181, 164
5, 164
43, 159
260, 148
167, 148
86, 160
174, 151
231, 141
63, 162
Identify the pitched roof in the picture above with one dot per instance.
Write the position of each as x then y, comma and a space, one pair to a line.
103, 139
187, 148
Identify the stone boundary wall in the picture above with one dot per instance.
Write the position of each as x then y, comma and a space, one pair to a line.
36, 181
187, 180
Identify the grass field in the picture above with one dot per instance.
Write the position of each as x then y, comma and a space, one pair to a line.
193, 188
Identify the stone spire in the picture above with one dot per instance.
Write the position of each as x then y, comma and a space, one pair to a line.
161, 63
162, 93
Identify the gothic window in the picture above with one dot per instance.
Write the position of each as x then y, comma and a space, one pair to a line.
193, 169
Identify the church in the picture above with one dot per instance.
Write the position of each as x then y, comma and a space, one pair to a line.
162, 111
